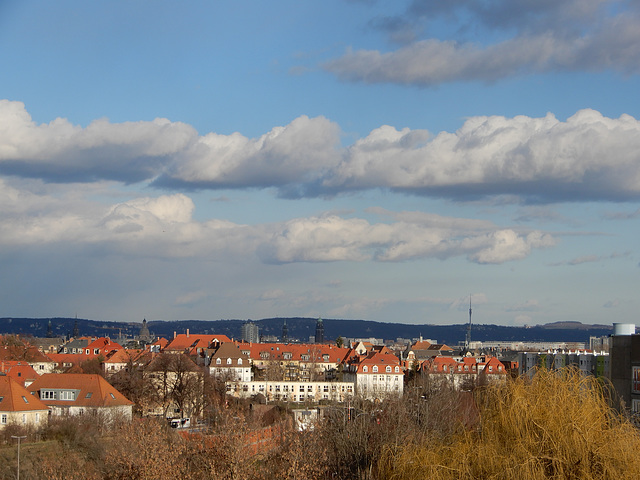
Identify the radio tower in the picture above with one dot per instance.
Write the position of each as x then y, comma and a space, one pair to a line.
467, 340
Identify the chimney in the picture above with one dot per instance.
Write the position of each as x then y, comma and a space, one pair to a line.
187, 333
174, 334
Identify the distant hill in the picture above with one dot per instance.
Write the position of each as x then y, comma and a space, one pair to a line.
301, 328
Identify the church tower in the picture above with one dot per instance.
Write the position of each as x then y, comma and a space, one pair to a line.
319, 331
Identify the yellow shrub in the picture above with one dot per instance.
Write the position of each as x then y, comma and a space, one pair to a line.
555, 426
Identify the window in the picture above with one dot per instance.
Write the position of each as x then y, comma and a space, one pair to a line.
87, 351
364, 369
229, 361
397, 369
24, 418
635, 380
375, 368
218, 361
48, 395
388, 369
67, 395
112, 396
3, 419
37, 417
239, 361
25, 399
88, 395
96, 351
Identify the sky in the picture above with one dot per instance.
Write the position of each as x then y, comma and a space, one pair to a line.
356, 159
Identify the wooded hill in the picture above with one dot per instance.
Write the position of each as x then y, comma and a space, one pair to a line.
301, 328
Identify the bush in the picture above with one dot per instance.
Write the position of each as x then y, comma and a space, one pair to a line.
555, 426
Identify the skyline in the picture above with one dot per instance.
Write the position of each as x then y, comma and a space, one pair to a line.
351, 159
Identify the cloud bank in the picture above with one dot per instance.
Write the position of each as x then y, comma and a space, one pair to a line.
586, 157
541, 37
164, 227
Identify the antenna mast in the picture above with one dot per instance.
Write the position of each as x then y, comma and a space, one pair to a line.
467, 341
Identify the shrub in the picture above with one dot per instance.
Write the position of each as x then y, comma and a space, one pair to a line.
555, 426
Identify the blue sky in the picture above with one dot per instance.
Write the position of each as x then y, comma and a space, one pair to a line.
345, 159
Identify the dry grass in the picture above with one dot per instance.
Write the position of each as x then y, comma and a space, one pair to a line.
552, 427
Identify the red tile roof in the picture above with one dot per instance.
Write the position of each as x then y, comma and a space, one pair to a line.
93, 390
15, 398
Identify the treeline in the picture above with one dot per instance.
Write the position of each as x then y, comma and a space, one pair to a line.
551, 427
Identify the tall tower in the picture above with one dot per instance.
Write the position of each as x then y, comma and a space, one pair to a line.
467, 340
319, 331
285, 332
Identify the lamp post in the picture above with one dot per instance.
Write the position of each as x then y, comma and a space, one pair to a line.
19, 438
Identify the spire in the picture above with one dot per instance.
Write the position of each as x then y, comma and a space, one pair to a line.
319, 331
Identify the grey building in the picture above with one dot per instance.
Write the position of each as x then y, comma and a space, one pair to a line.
625, 369
250, 332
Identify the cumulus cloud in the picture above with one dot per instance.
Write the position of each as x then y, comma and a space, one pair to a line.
164, 227
59, 151
331, 238
586, 157
545, 36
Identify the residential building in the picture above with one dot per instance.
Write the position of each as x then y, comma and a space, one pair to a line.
227, 361
375, 376
79, 394
18, 406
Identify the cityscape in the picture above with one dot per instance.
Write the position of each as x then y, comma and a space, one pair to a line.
276, 390
349, 239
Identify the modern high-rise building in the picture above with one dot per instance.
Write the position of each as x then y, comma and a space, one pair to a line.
250, 332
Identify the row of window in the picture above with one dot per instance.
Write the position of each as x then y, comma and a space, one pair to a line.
4, 418
365, 369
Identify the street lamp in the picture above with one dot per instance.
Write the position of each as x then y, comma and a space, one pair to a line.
19, 438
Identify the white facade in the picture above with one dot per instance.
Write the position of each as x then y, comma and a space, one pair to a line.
293, 391
377, 384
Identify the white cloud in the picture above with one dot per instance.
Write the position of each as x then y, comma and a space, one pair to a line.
586, 157
164, 227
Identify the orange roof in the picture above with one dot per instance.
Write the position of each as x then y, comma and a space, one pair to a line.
19, 371
375, 359
189, 343
92, 390
124, 356
301, 352
15, 398
423, 345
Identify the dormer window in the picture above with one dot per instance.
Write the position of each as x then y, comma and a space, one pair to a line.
96, 351
239, 361
388, 369
397, 369
229, 361
218, 361
364, 369
375, 368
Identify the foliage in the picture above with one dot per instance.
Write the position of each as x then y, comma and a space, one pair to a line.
556, 426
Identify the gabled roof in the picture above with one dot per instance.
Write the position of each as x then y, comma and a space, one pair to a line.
302, 352
16, 398
93, 390
19, 371
374, 359
124, 356
228, 350
189, 343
